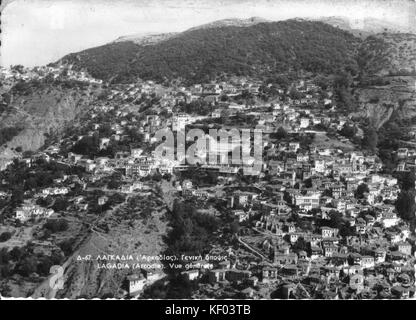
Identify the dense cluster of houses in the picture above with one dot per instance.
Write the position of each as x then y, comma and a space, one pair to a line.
18, 73
314, 182
32, 211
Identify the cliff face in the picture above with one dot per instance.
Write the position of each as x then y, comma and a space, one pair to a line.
45, 109
378, 103
378, 114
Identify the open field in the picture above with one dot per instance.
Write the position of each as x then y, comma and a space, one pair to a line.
323, 141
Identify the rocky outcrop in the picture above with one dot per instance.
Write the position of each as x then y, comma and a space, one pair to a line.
378, 103
47, 109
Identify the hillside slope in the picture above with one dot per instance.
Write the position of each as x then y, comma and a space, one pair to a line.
153, 38
39, 109
388, 54
195, 55
363, 27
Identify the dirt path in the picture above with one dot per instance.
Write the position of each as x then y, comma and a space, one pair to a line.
252, 249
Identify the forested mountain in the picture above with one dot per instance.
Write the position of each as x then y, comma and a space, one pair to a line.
203, 53
388, 54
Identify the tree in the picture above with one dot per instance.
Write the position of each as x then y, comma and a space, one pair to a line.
336, 220
342, 93
407, 181
405, 205
342, 80
370, 139
16, 253
17, 196
26, 266
322, 81
361, 189
346, 231
88, 145
300, 245
283, 81
60, 204
280, 133
105, 131
66, 246
44, 266
294, 94
56, 225
234, 227
348, 131
18, 68
308, 183
113, 184
4, 256
5, 236
5, 290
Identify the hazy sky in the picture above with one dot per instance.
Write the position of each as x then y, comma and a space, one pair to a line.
36, 32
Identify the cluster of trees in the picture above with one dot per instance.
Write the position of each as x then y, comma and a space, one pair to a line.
56, 225
26, 87
405, 203
199, 106
139, 208
87, 145
389, 136
90, 145
60, 204
370, 139
281, 80
279, 134
190, 234
375, 55
267, 93
19, 178
105, 61
40, 174
7, 133
342, 92
5, 236
348, 131
95, 208
361, 189
67, 246
336, 221
191, 231
23, 261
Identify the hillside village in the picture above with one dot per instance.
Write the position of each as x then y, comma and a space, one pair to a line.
16, 73
322, 218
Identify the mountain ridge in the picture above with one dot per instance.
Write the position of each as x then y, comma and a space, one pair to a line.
259, 48
152, 38
365, 26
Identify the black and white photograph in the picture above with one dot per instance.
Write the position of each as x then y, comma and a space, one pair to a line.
194, 150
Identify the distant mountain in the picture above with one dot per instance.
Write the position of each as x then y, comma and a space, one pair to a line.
146, 39
230, 23
259, 48
153, 38
365, 26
